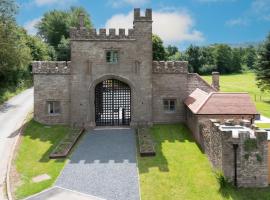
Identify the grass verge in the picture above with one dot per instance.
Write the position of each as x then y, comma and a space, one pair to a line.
263, 125
8, 92
181, 171
32, 157
245, 83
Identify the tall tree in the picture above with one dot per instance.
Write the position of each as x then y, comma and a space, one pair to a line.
55, 25
194, 58
8, 9
263, 66
223, 58
159, 52
251, 57
236, 61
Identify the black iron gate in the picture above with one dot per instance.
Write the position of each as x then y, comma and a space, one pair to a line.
112, 103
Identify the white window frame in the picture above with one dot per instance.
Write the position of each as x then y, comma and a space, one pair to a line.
113, 58
169, 105
54, 107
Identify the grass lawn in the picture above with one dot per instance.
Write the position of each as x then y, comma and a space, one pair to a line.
32, 158
245, 83
262, 125
181, 171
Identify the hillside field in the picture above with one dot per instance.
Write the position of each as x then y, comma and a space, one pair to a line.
245, 83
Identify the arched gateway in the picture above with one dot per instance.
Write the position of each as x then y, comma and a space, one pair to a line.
112, 103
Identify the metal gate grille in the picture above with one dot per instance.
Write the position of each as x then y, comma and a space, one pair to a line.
112, 103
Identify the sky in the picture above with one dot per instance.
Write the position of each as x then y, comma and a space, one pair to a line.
177, 22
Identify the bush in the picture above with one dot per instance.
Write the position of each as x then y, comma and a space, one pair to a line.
222, 180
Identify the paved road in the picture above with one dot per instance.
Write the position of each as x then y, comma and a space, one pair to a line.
12, 115
104, 165
263, 120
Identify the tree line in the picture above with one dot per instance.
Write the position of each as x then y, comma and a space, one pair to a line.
205, 59
52, 42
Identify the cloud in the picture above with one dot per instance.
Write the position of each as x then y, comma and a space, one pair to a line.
261, 8
172, 27
237, 22
54, 2
134, 3
30, 26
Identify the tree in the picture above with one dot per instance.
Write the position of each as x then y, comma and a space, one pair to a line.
39, 49
8, 9
63, 49
158, 48
55, 25
194, 58
223, 58
263, 66
171, 51
236, 61
251, 56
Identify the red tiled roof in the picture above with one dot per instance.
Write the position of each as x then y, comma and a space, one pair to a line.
220, 103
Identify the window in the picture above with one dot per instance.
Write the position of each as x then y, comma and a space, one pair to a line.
169, 105
53, 107
112, 57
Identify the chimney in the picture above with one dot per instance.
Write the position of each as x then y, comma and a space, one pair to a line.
215, 80
81, 20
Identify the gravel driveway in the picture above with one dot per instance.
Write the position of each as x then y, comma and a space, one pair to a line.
104, 165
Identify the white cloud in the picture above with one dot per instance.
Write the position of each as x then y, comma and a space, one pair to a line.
172, 27
118, 3
237, 22
30, 26
54, 2
261, 8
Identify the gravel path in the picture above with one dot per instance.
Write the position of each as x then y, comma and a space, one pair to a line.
104, 165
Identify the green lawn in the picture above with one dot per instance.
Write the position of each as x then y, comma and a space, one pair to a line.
32, 158
262, 125
181, 171
245, 83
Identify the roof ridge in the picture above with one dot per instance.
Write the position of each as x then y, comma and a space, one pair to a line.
204, 102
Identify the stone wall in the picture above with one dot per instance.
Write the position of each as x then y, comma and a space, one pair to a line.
51, 83
252, 163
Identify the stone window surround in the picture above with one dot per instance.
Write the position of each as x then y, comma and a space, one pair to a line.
48, 104
169, 99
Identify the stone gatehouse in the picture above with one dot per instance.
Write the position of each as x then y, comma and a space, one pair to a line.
113, 80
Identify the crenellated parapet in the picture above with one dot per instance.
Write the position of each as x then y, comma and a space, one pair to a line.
139, 17
240, 150
83, 33
170, 67
51, 67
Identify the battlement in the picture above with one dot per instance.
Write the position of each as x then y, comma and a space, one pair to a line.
170, 67
240, 150
139, 17
242, 130
51, 67
91, 34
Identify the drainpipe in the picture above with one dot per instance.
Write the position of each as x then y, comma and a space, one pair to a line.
235, 147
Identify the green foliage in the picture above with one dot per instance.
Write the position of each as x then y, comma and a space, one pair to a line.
194, 58
159, 52
171, 51
246, 156
8, 9
63, 49
222, 180
54, 28
39, 49
251, 57
223, 58
263, 66
250, 145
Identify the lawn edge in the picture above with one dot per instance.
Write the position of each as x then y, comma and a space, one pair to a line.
12, 155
